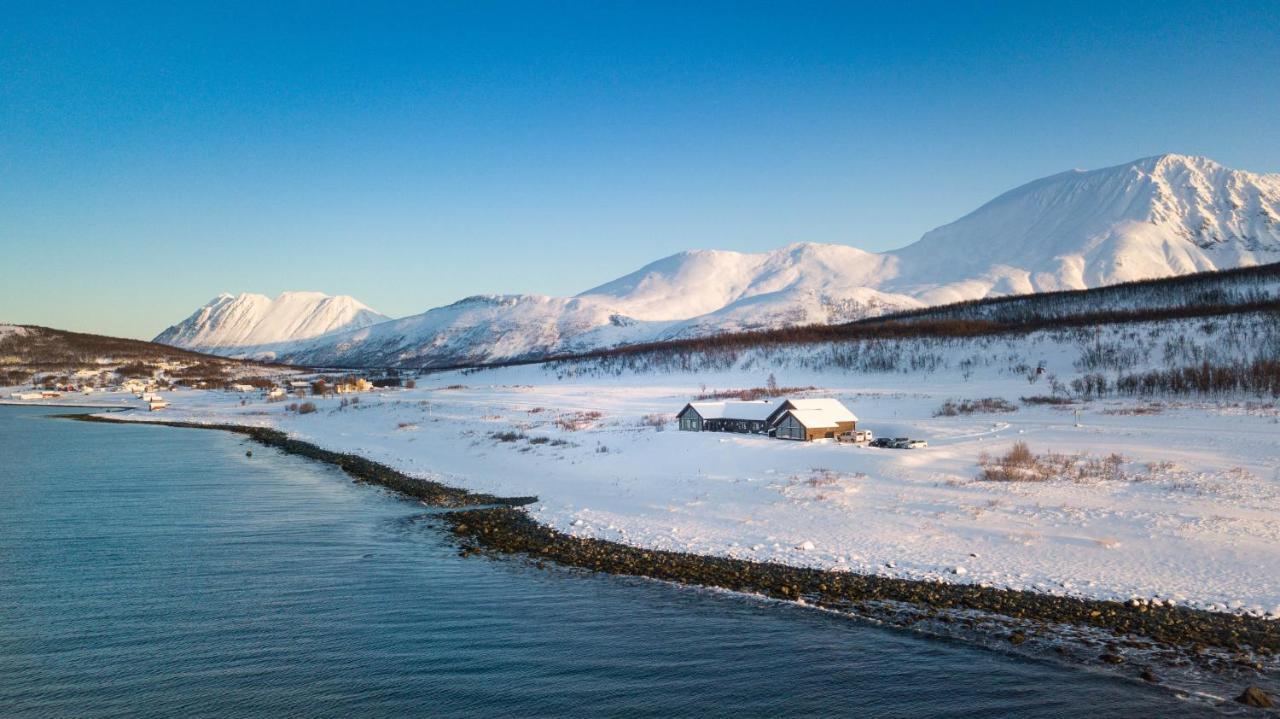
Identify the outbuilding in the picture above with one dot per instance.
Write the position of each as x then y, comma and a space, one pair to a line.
809, 424
833, 408
745, 417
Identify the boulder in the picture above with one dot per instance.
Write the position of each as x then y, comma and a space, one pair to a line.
1255, 697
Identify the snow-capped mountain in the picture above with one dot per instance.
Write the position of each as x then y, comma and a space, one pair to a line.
1155, 217
231, 322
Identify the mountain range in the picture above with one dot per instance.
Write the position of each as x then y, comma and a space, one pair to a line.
1155, 217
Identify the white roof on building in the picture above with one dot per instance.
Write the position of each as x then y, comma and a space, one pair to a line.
814, 418
755, 410
833, 408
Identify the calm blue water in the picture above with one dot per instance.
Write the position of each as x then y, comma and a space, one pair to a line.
148, 571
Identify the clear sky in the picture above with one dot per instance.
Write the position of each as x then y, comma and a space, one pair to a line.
152, 156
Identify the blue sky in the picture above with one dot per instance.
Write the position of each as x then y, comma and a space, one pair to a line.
412, 154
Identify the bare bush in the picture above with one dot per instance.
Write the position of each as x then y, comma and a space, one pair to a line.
752, 393
575, 421
1046, 399
987, 405
657, 421
1020, 464
1140, 410
306, 408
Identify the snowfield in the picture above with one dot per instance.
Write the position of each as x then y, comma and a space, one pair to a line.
1189, 511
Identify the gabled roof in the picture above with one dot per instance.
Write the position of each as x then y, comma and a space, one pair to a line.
814, 418
747, 410
834, 408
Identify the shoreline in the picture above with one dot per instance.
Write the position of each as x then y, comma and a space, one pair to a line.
1211, 639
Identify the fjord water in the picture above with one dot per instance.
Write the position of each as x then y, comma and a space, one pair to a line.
152, 571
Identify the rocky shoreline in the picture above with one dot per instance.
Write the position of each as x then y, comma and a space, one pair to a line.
360, 468
487, 523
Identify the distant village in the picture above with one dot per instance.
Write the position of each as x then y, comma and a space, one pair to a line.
148, 390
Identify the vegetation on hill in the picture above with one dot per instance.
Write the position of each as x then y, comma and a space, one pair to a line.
32, 354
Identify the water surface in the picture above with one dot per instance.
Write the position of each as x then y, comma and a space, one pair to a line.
161, 572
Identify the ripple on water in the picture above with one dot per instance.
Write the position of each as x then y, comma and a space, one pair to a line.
161, 568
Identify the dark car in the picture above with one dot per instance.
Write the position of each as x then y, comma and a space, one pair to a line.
881, 442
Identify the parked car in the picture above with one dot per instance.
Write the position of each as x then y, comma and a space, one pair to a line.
916, 444
900, 442
857, 436
881, 442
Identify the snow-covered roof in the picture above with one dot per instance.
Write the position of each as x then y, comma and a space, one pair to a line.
750, 410
834, 408
815, 418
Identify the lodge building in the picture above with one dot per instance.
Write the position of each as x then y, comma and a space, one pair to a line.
795, 419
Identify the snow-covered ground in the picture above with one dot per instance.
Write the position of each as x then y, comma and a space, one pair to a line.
1192, 516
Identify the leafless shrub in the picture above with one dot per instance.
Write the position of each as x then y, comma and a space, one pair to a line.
752, 393
657, 421
822, 477
1020, 464
509, 436
1046, 399
1140, 410
306, 408
986, 405
574, 421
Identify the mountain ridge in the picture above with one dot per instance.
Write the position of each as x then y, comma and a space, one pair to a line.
230, 321
1158, 216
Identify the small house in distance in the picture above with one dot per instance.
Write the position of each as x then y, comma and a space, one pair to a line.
796, 419
748, 417
356, 384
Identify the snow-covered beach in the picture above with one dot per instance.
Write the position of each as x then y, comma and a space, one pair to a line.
1187, 512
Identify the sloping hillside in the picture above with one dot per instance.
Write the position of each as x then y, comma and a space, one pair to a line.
29, 352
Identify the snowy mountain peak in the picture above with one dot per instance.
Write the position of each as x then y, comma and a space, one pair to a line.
230, 321
1153, 217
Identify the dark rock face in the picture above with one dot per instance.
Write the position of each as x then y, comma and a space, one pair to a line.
1255, 697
